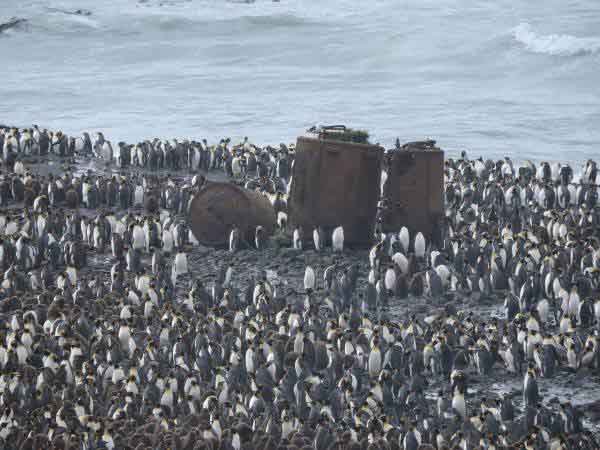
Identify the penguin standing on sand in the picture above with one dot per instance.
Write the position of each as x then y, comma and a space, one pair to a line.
458, 403
86, 148
337, 239
181, 264
297, 238
98, 145
260, 238
309, 279
319, 238
234, 240
133, 260
530, 388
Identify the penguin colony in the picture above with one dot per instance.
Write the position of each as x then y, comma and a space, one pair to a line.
152, 155
144, 354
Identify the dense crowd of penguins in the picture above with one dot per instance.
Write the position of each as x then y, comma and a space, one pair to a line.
140, 359
151, 155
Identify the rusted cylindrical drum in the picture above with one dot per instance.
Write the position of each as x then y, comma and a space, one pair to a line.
336, 183
219, 207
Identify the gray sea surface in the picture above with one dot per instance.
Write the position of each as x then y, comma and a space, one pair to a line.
502, 77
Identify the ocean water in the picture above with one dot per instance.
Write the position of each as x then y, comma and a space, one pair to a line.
502, 77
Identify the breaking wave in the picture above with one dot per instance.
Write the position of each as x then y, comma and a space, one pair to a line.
555, 44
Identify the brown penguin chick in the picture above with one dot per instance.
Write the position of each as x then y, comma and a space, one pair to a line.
245, 432
270, 444
134, 439
58, 443
189, 440
298, 441
259, 441
27, 444
147, 439
41, 441
10, 304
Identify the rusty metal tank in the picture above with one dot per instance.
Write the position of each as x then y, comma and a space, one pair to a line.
335, 183
219, 207
414, 189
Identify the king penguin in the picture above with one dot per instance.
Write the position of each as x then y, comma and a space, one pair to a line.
337, 239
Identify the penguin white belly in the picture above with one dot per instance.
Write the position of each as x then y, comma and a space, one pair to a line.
249, 361
574, 302
309, 278
181, 263
444, 273
458, 404
139, 196
167, 241
139, 240
338, 239
11, 228
125, 313
404, 238
143, 284
96, 237
107, 152
384, 177
148, 307
153, 296
390, 280
40, 225
236, 167
543, 308
317, 240
174, 275
72, 275
420, 245
297, 240
124, 336
401, 261
374, 362
193, 239
19, 168
22, 354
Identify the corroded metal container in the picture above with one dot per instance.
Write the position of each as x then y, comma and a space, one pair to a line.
335, 183
414, 190
219, 207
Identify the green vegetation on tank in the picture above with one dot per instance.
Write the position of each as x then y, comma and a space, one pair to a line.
342, 133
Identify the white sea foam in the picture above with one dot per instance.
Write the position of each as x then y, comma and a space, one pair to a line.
555, 44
